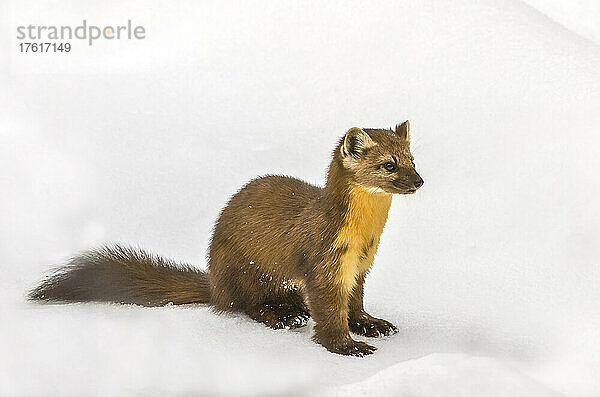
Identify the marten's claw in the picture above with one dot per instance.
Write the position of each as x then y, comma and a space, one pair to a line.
296, 321
355, 348
346, 346
371, 327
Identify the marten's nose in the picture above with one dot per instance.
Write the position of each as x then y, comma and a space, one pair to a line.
419, 182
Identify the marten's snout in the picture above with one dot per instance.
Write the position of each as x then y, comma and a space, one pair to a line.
418, 182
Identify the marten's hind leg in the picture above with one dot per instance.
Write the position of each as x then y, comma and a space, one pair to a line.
273, 317
286, 311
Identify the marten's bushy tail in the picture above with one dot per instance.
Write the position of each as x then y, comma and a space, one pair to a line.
124, 275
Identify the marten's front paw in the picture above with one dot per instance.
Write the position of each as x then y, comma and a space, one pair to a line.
352, 347
367, 325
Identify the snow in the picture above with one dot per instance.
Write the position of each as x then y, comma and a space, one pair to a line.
579, 16
490, 271
447, 374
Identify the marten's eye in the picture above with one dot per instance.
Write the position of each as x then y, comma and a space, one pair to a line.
389, 166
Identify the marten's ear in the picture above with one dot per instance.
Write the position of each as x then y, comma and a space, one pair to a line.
403, 130
355, 142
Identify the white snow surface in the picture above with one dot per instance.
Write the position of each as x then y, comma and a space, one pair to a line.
580, 16
490, 271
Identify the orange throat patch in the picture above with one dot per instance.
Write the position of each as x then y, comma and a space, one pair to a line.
365, 219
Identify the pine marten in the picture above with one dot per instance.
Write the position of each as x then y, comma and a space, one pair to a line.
282, 250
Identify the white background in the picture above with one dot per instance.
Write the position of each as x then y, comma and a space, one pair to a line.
491, 270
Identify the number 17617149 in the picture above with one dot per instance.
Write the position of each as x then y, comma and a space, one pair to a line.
45, 47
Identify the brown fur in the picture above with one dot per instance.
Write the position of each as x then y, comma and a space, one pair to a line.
124, 275
282, 250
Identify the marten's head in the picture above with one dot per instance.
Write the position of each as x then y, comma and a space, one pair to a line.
380, 160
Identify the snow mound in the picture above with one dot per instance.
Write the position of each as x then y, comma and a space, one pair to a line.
445, 375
